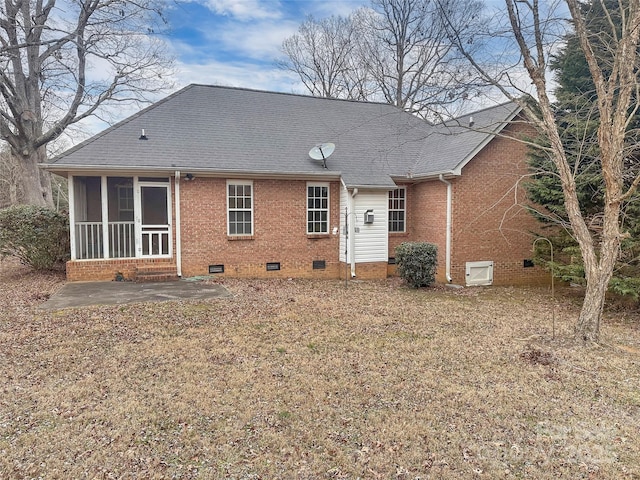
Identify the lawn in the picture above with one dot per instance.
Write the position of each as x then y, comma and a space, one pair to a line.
308, 379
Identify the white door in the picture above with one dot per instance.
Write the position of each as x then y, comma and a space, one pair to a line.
153, 220
479, 273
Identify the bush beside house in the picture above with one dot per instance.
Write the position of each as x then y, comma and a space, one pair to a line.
416, 263
37, 236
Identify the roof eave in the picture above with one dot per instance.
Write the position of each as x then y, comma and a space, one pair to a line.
428, 176
88, 169
370, 187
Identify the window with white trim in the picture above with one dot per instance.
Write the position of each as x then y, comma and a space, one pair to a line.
125, 202
397, 209
240, 208
317, 208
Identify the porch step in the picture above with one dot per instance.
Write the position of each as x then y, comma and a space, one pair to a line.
160, 272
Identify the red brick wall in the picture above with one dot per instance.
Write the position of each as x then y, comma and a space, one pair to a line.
426, 221
280, 231
429, 213
490, 221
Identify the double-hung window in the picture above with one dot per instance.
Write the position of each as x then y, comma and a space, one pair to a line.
240, 207
317, 208
125, 202
397, 210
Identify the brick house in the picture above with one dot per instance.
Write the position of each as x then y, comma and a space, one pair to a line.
220, 180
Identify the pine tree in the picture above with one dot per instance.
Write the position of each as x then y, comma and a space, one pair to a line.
578, 121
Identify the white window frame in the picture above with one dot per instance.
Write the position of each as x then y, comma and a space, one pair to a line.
242, 183
125, 199
320, 209
393, 202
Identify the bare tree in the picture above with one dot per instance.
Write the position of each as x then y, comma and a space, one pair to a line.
321, 53
62, 61
406, 50
536, 29
397, 51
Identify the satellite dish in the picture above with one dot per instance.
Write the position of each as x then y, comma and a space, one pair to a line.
322, 151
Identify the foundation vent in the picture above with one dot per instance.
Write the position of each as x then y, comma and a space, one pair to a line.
216, 268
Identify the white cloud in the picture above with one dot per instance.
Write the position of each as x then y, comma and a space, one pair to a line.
259, 40
245, 75
333, 7
245, 9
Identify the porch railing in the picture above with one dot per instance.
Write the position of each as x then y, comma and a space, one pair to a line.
155, 240
89, 243
89, 240
122, 240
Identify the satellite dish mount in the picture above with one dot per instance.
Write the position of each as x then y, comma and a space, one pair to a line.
322, 151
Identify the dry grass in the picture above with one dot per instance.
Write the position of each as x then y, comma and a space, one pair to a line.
304, 379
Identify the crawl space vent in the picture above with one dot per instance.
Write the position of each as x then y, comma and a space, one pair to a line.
319, 264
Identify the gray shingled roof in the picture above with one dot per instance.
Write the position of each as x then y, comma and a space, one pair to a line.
452, 144
237, 131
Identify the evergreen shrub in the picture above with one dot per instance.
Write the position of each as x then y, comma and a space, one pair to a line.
416, 263
37, 236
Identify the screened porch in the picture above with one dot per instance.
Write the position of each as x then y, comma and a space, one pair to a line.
120, 217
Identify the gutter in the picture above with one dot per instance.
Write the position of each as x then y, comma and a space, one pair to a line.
150, 169
448, 231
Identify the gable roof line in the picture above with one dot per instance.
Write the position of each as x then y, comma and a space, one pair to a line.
456, 121
457, 170
214, 129
293, 94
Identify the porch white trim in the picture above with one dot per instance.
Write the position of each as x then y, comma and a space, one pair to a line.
99, 231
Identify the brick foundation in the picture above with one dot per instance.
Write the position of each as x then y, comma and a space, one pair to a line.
104, 270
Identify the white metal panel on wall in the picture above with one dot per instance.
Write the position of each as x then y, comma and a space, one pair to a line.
371, 239
479, 273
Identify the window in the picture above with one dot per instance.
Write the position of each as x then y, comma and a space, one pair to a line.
397, 210
125, 202
240, 208
317, 208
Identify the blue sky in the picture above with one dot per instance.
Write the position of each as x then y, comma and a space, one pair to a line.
237, 42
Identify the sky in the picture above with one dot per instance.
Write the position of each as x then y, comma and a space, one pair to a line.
237, 42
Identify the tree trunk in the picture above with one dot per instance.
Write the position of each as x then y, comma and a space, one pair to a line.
599, 268
36, 184
588, 327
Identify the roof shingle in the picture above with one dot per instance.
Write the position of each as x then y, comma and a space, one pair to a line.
239, 131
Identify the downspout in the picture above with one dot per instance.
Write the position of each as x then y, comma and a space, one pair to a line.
178, 229
352, 238
447, 250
